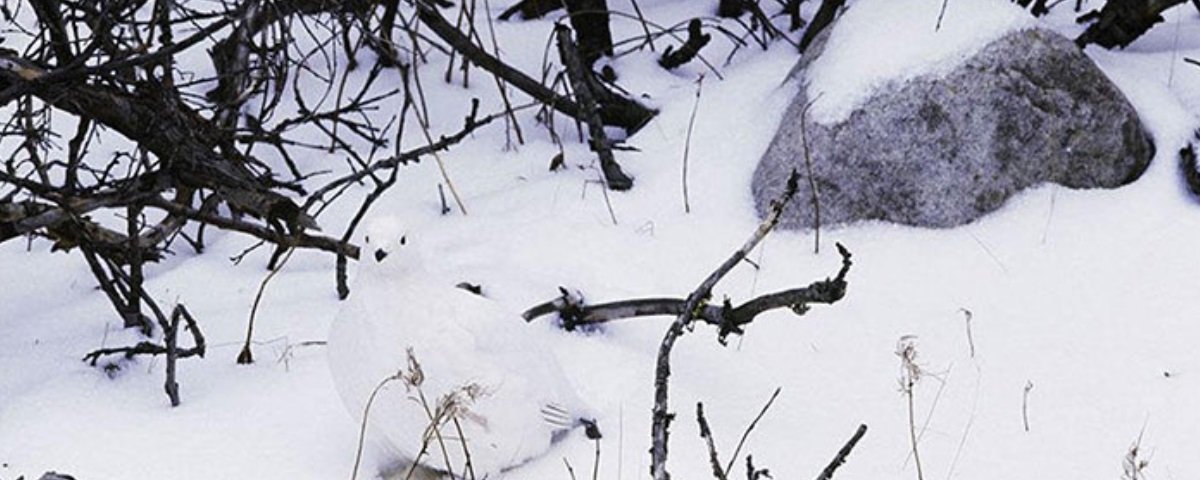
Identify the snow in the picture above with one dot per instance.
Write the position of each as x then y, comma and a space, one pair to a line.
904, 40
1087, 295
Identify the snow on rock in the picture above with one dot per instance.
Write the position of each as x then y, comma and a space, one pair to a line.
944, 150
877, 41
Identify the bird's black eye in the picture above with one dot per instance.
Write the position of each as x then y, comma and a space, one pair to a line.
403, 239
380, 254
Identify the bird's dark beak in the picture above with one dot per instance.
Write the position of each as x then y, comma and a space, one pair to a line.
380, 254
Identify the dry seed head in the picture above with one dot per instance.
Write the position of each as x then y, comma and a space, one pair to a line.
910, 371
458, 402
415, 376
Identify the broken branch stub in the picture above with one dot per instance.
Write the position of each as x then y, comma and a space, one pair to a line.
697, 39
584, 85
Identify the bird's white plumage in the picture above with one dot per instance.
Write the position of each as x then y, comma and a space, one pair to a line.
515, 400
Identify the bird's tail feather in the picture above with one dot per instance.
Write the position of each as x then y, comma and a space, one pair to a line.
564, 422
557, 416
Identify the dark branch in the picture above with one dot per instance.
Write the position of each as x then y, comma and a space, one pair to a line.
574, 313
696, 40
1120, 22
298, 239
152, 349
1189, 168
661, 418
626, 114
531, 9
589, 18
840, 458
706, 433
821, 20
582, 83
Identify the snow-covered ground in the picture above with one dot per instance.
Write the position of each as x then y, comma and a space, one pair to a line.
1088, 296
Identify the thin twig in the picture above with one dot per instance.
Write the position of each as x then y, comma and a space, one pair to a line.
910, 374
596, 460
941, 15
245, 357
1025, 404
362, 426
642, 20
687, 145
570, 471
970, 337
706, 434
840, 458
812, 181
661, 418
470, 466
750, 428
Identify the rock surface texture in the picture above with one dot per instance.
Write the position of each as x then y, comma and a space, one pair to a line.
943, 150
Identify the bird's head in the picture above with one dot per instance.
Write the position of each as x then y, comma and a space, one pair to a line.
389, 247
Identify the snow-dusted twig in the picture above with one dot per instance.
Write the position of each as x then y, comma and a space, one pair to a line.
574, 312
840, 458
661, 417
706, 433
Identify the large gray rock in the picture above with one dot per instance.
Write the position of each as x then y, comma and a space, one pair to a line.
943, 150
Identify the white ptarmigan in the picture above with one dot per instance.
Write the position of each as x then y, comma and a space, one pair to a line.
509, 396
